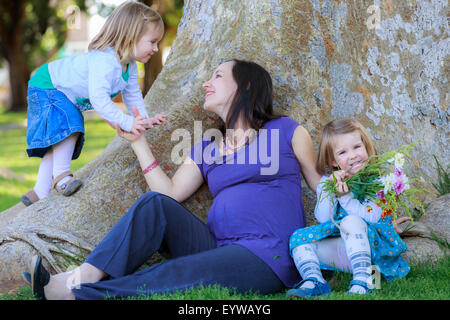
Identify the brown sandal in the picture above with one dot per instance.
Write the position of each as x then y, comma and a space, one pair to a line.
29, 198
68, 188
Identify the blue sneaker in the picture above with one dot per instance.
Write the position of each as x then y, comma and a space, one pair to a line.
320, 289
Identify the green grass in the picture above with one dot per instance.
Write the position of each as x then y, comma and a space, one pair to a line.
18, 172
426, 281
7, 118
443, 184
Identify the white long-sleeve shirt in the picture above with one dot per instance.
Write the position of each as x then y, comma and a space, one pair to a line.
91, 79
326, 203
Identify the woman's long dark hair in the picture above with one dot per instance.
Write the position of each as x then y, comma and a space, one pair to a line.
253, 97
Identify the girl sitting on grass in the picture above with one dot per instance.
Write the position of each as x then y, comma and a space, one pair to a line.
364, 238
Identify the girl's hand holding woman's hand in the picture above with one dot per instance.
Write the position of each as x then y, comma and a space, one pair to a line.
129, 136
341, 186
134, 134
140, 125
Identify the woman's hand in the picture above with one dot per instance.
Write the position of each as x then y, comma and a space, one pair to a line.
342, 188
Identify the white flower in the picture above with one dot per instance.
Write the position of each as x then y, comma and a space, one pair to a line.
398, 160
388, 182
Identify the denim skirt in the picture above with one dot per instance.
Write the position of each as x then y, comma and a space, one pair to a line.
52, 117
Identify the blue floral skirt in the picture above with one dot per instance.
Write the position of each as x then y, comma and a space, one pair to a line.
386, 245
52, 117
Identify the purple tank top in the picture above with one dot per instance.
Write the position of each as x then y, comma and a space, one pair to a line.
257, 195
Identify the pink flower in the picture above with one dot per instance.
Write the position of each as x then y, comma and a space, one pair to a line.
399, 187
380, 195
401, 184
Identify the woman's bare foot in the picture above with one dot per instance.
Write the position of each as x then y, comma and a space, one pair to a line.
60, 285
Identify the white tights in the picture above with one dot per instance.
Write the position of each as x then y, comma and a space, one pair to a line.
55, 161
349, 253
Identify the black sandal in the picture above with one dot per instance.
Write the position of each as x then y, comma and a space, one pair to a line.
27, 277
39, 277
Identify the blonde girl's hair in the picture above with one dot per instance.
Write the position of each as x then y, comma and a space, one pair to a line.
325, 155
124, 27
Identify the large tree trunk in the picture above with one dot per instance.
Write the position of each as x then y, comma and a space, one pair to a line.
154, 66
152, 69
18, 77
14, 55
326, 61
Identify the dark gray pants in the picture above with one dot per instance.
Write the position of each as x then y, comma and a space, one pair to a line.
159, 223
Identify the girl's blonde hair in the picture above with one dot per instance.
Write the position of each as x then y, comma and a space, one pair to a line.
325, 156
124, 27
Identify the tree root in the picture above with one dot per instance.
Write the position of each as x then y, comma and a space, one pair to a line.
39, 238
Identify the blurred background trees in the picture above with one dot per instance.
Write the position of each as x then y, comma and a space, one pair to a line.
171, 12
33, 32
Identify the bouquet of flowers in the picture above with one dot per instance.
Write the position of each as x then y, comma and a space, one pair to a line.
384, 181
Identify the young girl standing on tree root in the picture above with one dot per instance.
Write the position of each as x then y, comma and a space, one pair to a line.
363, 238
61, 90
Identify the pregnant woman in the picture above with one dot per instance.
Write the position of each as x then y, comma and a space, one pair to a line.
257, 205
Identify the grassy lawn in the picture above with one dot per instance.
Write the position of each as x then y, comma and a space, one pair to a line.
18, 172
426, 281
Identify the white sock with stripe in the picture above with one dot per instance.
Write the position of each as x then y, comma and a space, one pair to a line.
358, 251
307, 263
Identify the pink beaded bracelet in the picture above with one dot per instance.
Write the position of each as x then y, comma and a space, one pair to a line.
152, 166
